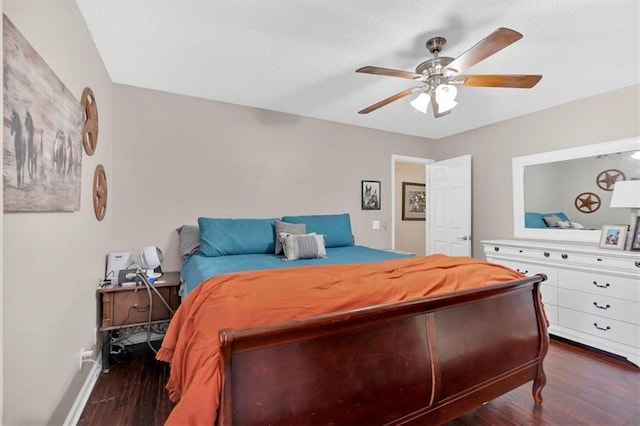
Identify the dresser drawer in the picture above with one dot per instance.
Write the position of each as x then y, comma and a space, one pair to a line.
520, 252
530, 269
552, 313
605, 328
604, 285
549, 294
603, 306
601, 261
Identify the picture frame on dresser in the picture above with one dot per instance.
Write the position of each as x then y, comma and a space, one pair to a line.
613, 237
635, 241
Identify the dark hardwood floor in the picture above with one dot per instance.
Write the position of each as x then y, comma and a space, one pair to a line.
584, 387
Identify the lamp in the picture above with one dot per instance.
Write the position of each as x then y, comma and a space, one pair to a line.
626, 194
421, 102
446, 97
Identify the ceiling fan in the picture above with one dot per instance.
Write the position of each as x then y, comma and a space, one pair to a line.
440, 75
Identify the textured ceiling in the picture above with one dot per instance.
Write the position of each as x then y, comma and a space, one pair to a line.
300, 57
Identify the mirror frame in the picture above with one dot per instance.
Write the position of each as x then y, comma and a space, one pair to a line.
518, 165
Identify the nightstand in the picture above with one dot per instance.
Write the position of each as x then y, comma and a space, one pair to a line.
124, 306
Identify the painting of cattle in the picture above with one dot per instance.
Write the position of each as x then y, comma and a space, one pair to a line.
42, 132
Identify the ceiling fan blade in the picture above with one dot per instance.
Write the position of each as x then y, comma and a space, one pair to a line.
435, 107
392, 73
389, 100
518, 81
493, 43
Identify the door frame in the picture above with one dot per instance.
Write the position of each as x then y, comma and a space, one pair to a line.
397, 158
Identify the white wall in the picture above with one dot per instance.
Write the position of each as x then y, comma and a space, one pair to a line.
606, 117
52, 261
178, 158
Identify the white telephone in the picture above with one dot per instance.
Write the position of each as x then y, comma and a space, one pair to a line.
117, 262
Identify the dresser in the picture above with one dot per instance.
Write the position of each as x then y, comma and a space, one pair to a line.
591, 296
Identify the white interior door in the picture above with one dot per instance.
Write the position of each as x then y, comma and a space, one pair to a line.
449, 230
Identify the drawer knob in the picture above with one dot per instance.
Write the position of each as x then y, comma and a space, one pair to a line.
599, 260
564, 256
546, 254
637, 264
498, 249
600, 285
607, 328
601, 307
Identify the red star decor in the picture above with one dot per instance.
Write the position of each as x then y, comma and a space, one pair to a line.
587, 202
608, 178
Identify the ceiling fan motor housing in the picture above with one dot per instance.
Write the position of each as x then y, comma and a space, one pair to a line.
433, 66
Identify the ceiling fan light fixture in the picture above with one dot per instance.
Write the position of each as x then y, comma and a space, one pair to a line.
445, 97
421, 102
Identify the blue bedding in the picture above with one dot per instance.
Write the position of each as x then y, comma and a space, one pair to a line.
197, 268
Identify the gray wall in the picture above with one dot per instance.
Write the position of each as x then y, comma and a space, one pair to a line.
52, 261
606, 117
180, 157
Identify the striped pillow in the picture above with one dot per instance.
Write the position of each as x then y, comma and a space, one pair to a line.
302, 246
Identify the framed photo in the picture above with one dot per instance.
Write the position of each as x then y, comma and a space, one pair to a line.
414, 201
635, 240
370, 193
613, 237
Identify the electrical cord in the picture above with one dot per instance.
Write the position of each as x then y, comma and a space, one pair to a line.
150, 287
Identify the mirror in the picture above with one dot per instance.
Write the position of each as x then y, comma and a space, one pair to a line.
575, 185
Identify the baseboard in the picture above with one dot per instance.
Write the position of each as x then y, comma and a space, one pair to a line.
83, 396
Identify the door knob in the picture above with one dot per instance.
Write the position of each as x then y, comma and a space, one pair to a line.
464, 238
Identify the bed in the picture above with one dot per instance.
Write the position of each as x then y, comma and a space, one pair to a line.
396, 341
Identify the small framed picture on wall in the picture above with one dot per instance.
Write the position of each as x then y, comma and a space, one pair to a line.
613, 237
635, 240
370, 193
414, 201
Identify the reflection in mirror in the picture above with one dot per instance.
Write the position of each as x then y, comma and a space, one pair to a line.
565, 195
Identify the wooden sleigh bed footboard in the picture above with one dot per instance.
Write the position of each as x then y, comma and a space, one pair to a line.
425, 361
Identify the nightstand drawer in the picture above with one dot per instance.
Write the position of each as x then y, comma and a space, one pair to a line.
128, 306
132, 307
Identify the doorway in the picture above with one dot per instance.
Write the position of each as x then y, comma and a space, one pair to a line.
447, 225
407, 235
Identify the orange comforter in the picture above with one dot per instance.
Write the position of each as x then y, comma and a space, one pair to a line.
249, 299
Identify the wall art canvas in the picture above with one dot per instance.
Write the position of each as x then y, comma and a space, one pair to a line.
42, 132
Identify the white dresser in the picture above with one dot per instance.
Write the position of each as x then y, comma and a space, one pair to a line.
591, 295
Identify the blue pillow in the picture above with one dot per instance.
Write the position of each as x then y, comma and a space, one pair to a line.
222, 237
535, 220
335, 227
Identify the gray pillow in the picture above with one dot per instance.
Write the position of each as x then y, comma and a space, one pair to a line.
287, 228
303, 246
551, 221
189, 236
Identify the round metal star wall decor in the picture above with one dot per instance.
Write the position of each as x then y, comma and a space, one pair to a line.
608, 178
100, 192
90, 128
587, 202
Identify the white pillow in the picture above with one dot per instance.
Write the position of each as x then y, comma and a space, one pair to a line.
302, 246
